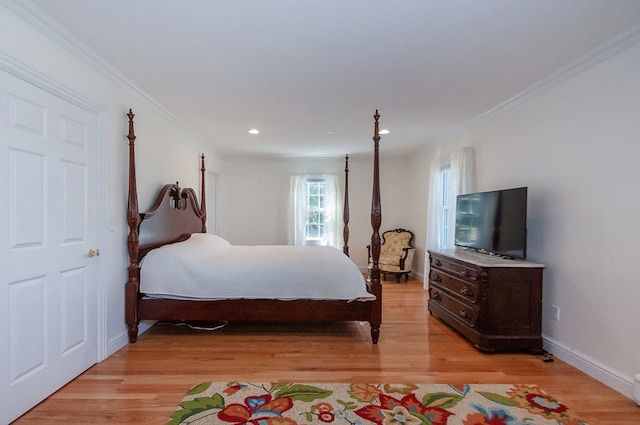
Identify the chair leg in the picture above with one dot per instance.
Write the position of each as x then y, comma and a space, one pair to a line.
399, 275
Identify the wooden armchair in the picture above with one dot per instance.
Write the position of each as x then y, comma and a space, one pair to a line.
396, 253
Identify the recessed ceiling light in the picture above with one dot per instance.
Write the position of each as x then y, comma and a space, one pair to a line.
385, 131
254, 131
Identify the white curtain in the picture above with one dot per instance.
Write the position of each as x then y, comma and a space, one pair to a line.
462, 180
333, 212
434, 218
464, 170
297, 210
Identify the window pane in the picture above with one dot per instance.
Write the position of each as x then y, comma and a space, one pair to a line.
313, 188
312, 217
312, 231
445, 176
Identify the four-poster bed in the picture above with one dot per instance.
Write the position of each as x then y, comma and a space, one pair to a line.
165, 232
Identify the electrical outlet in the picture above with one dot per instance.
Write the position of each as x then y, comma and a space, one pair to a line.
555, 312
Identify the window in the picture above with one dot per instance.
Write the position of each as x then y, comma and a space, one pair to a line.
450, 176
315, 226
314, 210
444, 203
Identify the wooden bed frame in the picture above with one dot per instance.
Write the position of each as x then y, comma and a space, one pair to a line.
176, 214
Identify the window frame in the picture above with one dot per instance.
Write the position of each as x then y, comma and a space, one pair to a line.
319, 208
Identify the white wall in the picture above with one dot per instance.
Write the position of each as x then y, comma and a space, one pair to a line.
577, 148
256, 194
166, 152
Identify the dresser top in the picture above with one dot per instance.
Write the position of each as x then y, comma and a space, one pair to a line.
484, 260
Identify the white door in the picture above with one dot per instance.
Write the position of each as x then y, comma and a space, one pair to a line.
48, 176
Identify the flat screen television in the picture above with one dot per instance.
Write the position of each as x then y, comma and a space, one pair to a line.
494, 222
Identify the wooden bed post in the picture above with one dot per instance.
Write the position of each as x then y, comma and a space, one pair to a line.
133, 242
345, 213
203, 198
376, 221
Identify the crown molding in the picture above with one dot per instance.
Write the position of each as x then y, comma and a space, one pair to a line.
41, 21
604, 51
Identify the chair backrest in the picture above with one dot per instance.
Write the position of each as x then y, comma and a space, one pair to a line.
394, 240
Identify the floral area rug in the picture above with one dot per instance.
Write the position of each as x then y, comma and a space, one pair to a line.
359, 404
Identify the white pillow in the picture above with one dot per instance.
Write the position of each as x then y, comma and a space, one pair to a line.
208, 241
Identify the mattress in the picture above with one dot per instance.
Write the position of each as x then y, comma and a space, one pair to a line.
206, 266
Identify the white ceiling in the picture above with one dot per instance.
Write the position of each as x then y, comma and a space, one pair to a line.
310, 74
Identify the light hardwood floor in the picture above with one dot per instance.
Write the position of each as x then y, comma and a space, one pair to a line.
144, 382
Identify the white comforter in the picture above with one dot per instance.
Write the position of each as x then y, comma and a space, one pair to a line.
206, 266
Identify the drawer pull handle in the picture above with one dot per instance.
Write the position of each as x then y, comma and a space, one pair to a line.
436, 278
438, 263
466, 291
464, 272
464, 313
436, 296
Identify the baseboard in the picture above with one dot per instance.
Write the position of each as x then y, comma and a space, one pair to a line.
123, 339
417, 276
116, 344
611, 378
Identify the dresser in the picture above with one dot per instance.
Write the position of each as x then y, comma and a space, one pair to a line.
493, 302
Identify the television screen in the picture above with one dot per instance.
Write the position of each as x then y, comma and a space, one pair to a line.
495, 222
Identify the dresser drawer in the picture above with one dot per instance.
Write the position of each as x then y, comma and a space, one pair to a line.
457, 268
466, 289
463, 312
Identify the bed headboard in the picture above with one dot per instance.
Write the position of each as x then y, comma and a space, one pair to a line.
174, 216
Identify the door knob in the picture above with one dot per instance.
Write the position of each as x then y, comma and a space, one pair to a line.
93, 253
